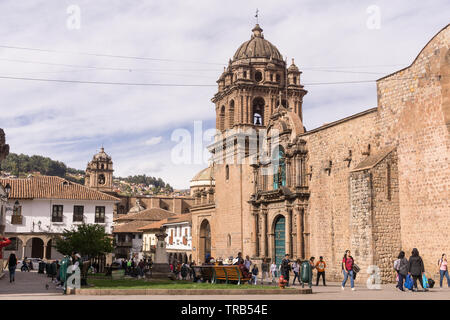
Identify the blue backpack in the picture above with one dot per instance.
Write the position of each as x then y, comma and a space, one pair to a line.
409, 282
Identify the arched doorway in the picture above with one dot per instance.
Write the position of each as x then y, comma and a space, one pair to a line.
34, 248
205, 241
280, 233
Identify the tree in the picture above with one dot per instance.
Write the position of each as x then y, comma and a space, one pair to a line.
89, 240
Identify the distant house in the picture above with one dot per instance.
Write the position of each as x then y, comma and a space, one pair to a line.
43, 206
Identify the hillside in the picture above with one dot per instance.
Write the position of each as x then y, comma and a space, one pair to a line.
21, 165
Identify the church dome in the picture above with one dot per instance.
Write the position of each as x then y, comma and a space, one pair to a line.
102, 155
257, 47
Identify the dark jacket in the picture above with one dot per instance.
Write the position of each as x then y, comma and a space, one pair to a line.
416, 265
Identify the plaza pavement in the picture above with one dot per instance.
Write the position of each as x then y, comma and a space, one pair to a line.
31, 286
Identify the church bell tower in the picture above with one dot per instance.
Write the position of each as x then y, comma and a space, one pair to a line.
99, 172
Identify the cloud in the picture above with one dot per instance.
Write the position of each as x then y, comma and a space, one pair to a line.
153, 141
69, 122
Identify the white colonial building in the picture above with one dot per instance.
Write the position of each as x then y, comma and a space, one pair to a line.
43, 206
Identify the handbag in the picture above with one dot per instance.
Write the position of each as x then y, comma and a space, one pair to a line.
409, 282
356, 269
425, 282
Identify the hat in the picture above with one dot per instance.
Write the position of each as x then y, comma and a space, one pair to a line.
78, 255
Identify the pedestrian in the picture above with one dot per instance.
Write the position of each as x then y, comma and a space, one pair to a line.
255, 272
184, 271
4, 242
238, 260
285, 268
443, 270
247, 262
401, 265
141, 268
320, 266
245, 272
12, 265
416, 269
264, 270
347, 269
296, 268
273, 271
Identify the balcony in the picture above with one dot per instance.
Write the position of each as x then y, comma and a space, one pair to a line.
124, 244
16, 219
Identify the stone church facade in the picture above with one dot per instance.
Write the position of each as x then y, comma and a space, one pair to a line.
376, 182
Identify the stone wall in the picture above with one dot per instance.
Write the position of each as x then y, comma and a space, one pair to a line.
329, 202
413, 105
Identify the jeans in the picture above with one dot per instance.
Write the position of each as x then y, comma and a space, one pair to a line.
444, 273
254, 279
346, 275
296, 276
274, 276
318, 277
401, 279
264, 275
12, 273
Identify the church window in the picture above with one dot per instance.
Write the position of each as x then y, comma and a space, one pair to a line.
258, 111
295, 80
231, 113
222, 119
245, 74
101, 179
278, 78
229, 240
103, 166
227, 172
271, 77
279, 168
258, 76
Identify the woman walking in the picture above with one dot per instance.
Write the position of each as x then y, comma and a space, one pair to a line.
347, 269
273, 271
12, 264
401, 265
416, 268
296, 269
443, 270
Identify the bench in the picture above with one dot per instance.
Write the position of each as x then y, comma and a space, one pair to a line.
230, 273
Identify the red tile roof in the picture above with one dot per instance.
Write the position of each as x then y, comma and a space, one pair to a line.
51, 187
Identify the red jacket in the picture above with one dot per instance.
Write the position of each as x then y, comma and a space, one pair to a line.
4, 243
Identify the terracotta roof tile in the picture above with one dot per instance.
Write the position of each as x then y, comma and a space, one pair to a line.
372, 160
52, 187
154, 225
185, 217
152, 214
129, 227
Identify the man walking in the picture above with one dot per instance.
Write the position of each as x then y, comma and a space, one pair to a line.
285, 268
264, 270
320, 266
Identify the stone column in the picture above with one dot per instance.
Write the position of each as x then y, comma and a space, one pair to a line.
255, 236
264, 233
288, 233
298, 216
45, 250
271, 248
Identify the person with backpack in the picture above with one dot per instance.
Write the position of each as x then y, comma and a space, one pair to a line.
401, 266
443, 270
416, 269
347, 269
254, 274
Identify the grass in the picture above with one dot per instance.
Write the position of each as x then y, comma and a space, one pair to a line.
108, 283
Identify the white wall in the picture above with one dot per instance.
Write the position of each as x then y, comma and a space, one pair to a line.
178, 233
41, 210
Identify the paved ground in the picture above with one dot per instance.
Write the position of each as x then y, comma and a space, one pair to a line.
31, 286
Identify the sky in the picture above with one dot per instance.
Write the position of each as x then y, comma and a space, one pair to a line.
183, 43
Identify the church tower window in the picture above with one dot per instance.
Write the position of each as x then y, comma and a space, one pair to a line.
258, 76
231, 114
222, 118
227, 172
258, 111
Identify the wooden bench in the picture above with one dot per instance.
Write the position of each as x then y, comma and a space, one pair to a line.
205, 273
230, 273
